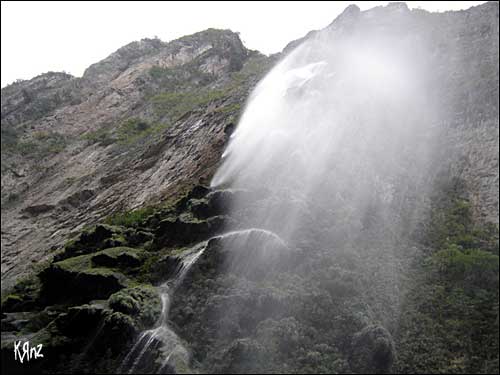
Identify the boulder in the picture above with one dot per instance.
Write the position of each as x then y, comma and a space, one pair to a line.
142, 303
181, 231
99, 237
121, 257
75, 280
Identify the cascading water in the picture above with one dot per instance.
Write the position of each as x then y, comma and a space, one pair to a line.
333, 153
339, 133
337, 140
162, 336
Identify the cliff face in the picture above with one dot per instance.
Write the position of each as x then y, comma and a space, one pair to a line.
146, 124
140, 126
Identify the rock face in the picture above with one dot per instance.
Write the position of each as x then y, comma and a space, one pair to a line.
139, 127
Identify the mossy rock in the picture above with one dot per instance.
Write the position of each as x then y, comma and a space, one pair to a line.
81, 320
16, 321
136, 237
121, 257
118, 330
197, 192
180, 231
23, 296
12, 302
99, 237
74, 280
142, 303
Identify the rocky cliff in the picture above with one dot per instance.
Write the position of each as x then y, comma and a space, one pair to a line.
139, 127
102, 179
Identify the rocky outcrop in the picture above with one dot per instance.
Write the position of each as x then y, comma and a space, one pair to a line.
139, 127
98, 295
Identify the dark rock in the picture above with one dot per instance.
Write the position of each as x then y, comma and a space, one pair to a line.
99, 237
179, 231
12, 303
16, 321
197, 192
117, 257
81, 320
137, 237
74, 280
118, 329
39, 209
78, 198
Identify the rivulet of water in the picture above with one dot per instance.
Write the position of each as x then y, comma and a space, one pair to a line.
162, 335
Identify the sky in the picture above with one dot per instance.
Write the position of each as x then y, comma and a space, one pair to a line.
37, 37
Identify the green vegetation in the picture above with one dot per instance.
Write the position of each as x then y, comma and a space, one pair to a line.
450, 317
177, 104
187, 87
40, 145
230, 108
128, 132
187, 75
101, 136
9, 137
134, 129
132, 218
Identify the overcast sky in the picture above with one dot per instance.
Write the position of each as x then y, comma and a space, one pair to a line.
54, 36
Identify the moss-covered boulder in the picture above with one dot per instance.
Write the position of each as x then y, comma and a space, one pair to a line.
185, 230
99, 237
76, 280
142, 303
13, 302
137, 237
23, 296
197, 192
121, 257
81, 320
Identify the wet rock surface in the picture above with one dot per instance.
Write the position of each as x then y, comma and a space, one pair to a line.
100, 297
140, 127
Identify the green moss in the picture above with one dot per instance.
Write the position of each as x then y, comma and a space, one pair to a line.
40, 145
11, 301
76, 264
127, 132
230, 108
134, 129
141, 302
132, 218
83, 263
177, 104
100, 136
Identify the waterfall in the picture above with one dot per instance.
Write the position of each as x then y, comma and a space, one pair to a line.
339, 132
337, 142
162, 334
